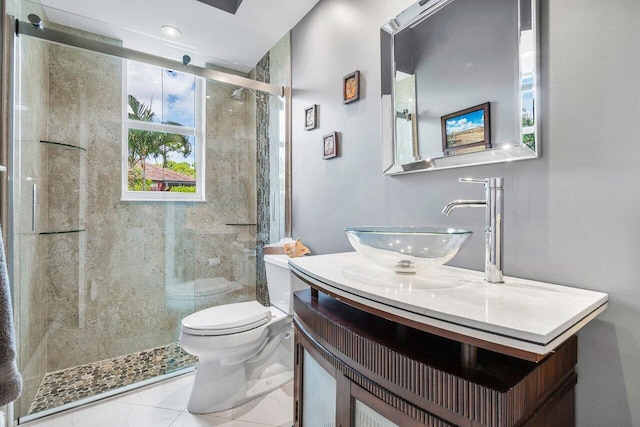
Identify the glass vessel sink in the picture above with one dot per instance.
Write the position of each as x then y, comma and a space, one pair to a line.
407, 250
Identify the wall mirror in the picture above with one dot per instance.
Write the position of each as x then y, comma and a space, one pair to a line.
459, 84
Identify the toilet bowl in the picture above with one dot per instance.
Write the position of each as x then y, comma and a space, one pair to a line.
244, 349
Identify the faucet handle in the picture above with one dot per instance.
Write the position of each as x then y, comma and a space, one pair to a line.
493, 182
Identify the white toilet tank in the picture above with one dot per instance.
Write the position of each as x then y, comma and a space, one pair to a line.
281, 287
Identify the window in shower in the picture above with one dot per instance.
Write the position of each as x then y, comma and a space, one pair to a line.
163, 134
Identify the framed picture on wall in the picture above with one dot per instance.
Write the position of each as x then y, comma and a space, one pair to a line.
466, 131
311, 117
351, 87
330, 145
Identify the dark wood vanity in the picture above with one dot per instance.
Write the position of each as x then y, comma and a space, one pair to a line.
445, 348
412, 377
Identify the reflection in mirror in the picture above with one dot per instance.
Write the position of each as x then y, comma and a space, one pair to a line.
459, 84
406, 121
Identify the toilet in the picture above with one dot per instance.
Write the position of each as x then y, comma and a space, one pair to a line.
244, 349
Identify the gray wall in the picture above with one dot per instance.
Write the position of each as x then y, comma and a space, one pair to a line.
449, 57
571, 217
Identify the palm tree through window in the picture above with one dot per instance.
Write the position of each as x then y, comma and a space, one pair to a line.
163, 133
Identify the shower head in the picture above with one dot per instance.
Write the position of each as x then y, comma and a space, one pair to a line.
35, 20
238, 95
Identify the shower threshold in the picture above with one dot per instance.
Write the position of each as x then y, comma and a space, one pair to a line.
79, 385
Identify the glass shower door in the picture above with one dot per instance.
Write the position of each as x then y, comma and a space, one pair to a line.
90, 268
102, 281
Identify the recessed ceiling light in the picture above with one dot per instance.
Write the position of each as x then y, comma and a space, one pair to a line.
170, 31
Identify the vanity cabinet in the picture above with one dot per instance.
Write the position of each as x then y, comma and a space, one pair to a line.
354, 368
439, 349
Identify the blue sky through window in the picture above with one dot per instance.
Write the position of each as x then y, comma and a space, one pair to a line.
527, 102
170, 94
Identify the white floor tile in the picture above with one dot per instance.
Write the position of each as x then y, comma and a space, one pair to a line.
170, 394
111, 414
274, 409
164, 405
191, 420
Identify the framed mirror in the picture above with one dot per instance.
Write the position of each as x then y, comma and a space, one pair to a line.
460, 84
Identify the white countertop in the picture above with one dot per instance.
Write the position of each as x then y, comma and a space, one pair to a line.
522, 314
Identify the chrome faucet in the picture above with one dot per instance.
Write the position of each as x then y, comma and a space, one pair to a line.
494, 206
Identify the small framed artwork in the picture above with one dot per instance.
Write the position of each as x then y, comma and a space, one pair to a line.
330, 145
311, 117
351, 87
466, 131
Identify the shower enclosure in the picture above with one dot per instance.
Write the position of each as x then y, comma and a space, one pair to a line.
122, 224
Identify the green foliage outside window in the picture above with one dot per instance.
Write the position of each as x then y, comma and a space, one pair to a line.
528, 139
181, 167
183, 189
144, 144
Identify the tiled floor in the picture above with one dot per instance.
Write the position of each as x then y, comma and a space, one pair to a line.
165, 405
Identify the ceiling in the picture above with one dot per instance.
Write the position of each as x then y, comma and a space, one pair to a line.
208, 34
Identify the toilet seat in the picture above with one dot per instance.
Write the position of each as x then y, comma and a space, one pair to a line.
227, 319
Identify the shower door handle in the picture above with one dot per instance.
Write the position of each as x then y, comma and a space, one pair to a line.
34, 212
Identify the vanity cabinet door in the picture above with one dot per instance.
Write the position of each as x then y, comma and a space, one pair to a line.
370, 411
318, 393
364, 416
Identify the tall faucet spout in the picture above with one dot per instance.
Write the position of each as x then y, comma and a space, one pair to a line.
463, 204
494, 207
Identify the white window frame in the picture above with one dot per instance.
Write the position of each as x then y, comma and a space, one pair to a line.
198, 132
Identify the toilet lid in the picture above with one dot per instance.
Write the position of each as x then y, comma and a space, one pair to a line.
227, 319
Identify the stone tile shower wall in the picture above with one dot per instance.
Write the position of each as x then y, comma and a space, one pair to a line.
91, 271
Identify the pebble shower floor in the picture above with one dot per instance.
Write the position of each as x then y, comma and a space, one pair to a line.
69, 385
